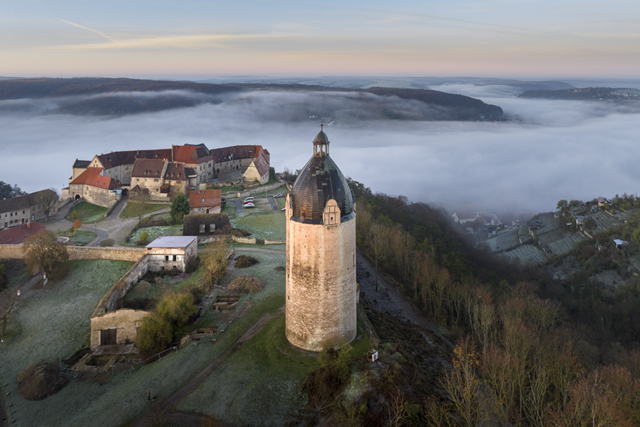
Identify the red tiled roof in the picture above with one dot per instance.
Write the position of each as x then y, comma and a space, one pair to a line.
92, 177
16, 235
190, 153
148, 168
205, 198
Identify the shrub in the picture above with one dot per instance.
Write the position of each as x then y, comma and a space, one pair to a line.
72, 230
74, 215
177, 308
107, 242
155, 335
144, 238
244, 261
192, 264
77, 224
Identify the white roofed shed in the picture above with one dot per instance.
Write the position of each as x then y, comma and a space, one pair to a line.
171, 253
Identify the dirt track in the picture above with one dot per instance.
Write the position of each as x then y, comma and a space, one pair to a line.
164, 408
389, 298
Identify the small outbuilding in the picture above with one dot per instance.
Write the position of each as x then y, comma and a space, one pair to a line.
205, 201
171, 253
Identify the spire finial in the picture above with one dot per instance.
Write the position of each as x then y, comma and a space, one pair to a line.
321, 125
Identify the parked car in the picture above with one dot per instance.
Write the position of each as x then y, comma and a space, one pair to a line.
249, 199
249, 205
277, 195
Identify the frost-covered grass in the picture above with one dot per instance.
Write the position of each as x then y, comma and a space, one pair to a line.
270, 226
259, 385
128, 211
154, 232
79, 237
88, 403
51, 323
89, 213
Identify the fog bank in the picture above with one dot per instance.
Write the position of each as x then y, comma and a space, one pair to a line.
555, 150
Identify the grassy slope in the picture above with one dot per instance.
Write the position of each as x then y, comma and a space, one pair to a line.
259, 384
89, 213
52, 323
148, 208
154, 232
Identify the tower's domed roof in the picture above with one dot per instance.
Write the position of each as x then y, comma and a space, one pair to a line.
319, 182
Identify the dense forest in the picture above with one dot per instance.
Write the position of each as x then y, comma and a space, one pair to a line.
529, 350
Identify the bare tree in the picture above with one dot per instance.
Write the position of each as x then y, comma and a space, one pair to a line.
47, 201
377, 242
138, 204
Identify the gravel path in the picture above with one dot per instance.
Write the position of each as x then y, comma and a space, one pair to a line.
238, 204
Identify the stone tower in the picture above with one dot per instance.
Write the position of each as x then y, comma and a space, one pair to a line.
321, 254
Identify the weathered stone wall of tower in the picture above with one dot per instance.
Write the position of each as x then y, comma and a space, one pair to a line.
321, 283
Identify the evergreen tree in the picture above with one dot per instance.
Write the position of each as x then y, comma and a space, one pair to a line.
179, 208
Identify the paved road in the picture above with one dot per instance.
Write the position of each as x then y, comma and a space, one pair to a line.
238, 204
274, 204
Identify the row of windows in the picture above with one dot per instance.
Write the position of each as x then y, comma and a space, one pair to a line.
11, 214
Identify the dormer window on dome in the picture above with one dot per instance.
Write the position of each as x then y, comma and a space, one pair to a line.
321, 144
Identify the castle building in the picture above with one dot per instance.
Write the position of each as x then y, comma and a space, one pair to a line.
321, 254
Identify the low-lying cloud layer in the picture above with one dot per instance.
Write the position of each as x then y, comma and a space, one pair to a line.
557, 149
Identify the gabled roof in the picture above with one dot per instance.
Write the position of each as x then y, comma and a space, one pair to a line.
14, 204
92, 177
81, 164
205, 198
234, 153
190, 153
16, 235
118, 158
148, 168
262, 165
175, 172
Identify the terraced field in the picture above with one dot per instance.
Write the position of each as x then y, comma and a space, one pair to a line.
604, 221
527, 254
566, 244
523, 234
504, 241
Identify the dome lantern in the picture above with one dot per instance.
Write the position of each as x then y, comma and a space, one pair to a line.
321, 143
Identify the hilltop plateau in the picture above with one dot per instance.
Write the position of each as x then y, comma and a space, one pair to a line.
116, 97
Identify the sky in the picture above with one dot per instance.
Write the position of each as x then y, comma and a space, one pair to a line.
557, 150
194, 39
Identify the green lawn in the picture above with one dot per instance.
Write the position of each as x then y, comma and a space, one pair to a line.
270, 226
127, 212
79, 237
89, 213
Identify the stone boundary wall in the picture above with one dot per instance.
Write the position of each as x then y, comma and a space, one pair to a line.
111, 300
116, 254
274, 242
212, 238
246, 240
81, 252
261, 189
